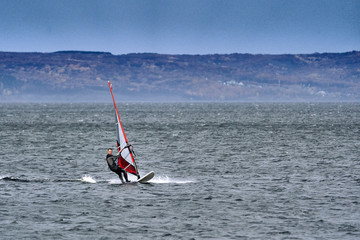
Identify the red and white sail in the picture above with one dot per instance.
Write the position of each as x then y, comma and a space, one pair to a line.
126, 155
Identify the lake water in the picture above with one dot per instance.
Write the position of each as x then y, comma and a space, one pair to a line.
223, 171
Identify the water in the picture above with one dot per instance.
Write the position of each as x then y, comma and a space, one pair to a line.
223, 171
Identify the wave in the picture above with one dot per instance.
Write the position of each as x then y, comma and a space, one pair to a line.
85, 178
90, 179
16, 179
167, 179
114, 181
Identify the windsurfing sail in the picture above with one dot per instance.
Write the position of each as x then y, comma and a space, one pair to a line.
125, 150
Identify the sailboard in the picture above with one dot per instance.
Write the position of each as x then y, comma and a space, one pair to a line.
126, 154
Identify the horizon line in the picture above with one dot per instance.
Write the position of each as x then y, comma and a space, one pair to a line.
179, 54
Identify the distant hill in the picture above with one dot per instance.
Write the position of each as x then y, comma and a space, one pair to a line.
82, 76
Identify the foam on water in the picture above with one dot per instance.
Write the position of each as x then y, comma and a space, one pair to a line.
114, 181
167, 179
158, 179
88, 179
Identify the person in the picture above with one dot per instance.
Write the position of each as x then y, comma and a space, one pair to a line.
111, 161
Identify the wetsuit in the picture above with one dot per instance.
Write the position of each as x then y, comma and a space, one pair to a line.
111, 161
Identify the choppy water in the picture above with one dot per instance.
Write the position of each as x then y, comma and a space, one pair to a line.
223, 171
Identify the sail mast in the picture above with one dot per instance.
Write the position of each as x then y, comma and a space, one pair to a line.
126, 158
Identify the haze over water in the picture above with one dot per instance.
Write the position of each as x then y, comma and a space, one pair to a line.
223, 171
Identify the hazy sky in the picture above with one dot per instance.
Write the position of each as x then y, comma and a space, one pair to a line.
180, 26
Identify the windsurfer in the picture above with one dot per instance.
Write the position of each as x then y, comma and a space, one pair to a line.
111, 161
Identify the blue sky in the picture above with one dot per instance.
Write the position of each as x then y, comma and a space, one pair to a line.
180, 26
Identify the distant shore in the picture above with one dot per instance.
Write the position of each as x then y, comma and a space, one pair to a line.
79, 76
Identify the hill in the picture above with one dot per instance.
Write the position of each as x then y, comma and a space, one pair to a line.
82, 76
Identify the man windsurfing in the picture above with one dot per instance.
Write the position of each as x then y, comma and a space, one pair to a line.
113, 165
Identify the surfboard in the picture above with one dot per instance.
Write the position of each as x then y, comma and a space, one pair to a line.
126, 154
146, 178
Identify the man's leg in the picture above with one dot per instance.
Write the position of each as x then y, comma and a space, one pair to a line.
125, 176
118, 172
120, 177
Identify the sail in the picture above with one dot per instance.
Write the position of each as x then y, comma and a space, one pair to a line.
126, 156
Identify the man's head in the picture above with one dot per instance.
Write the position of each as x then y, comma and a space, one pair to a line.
110, 150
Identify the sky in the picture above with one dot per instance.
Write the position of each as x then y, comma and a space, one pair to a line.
180, 26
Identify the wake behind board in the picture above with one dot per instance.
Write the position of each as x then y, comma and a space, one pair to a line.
146, 178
